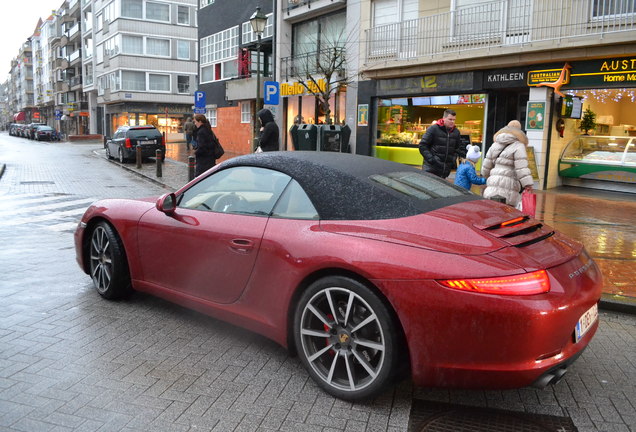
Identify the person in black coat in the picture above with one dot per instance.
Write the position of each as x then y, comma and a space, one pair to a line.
205, 142
441, 145
269, 137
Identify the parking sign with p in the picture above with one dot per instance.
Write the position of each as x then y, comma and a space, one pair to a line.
271, 93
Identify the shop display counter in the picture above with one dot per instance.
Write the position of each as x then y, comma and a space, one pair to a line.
601, 162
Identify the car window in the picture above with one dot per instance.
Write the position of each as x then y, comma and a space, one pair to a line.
241, 190
294, 204
118, 134
418, 186
145, 132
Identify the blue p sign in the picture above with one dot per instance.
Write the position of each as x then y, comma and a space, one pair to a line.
199, 99
271, 92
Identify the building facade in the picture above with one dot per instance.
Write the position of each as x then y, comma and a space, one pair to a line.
20, 90
493, 62
230, 62
139, 63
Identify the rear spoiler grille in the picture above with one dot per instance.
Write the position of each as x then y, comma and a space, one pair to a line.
519, 232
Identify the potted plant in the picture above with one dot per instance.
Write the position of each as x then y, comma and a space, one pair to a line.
588, 121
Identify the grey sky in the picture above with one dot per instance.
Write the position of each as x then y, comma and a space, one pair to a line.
18, 19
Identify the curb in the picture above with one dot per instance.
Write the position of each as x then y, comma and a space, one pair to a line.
618, 303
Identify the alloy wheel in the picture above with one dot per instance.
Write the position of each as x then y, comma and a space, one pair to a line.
343, 339
101, 259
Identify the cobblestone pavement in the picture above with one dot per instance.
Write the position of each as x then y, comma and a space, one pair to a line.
71, 361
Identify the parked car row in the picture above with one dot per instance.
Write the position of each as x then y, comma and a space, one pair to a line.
34, 131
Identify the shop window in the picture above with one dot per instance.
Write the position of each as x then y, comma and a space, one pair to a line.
183, 83
246, 112
183, 15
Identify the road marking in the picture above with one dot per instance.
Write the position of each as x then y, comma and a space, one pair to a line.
38, 208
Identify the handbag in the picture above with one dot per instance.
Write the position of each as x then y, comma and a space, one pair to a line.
218, 148
529, 203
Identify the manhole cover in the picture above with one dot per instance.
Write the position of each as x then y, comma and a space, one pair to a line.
440, 417
36, 182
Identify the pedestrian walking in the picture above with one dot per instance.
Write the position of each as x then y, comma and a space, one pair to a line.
206, 140
188, 129
466, 174
505, 166
441, 145
269, 136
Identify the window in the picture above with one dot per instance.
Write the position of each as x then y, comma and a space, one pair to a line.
132, 44
100, 22
417, 186
204, 3
158, 82
605, 8
132, 80
250, 36
220, 51
211, 115
132, 8
294, 204
183, 50
183, 83
158, 47
111, 47
157, 11
183, 15
239, 190
246, 112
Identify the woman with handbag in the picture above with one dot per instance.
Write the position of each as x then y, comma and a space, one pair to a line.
505, 166
205, 143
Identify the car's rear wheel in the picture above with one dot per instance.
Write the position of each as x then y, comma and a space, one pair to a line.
120, 155
346, 338
109, 267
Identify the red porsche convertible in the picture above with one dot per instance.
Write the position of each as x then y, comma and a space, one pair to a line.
365, 268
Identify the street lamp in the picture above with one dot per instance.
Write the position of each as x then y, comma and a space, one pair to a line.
258, 21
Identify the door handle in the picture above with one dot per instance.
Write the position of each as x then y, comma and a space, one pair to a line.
242, 245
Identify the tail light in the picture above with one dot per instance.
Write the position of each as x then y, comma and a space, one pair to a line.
128, 143
525, 284
163, 140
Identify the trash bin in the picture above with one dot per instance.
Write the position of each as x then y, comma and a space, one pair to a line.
307, 137
331, 138
293, 134
346, 134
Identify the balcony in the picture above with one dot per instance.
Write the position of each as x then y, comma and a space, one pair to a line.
74, 57
499, 27
75, 81
73, 32
296, 10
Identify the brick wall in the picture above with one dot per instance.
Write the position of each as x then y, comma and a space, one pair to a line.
236, 137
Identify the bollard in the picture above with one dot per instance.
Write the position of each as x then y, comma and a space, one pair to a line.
158, 162
138, 156
190, 168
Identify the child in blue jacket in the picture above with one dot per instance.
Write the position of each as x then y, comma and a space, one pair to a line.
466, 175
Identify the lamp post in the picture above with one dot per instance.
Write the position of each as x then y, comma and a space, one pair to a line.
258, 21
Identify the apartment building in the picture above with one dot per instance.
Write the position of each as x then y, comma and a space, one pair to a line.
20, 91
543, 63
231, 62
139, 63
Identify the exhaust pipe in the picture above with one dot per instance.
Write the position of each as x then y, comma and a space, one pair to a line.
552, 377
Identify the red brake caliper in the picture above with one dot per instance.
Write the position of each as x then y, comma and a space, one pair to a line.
331, 352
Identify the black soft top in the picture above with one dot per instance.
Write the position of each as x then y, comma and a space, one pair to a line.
340, 187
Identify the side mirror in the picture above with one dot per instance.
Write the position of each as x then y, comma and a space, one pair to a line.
167, 203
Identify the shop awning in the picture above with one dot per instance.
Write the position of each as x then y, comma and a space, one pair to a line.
20, 116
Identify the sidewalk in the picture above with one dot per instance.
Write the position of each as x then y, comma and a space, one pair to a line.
603, 221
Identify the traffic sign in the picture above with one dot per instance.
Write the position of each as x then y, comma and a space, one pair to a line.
199, 99
271, 92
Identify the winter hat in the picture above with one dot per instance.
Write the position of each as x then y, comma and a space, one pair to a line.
473, 154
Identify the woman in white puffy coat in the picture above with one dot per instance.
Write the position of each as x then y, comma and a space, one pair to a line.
505, 166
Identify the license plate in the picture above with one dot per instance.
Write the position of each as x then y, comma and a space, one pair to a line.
146, 142
585, 322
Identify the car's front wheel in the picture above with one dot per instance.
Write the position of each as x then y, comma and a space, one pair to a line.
346, 338
108, 155
109, 267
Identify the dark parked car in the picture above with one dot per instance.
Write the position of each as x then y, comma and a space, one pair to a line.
31, 128
366, 268
44, 133
124, 143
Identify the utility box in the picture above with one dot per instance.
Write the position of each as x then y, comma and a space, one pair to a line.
307, 137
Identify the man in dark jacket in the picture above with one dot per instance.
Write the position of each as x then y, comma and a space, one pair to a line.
268, 140
441, 145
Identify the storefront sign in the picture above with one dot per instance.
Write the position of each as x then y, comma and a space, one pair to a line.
554, 78
453, 82
535, 116
509, 78
614, 72
298, 89
363, 115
